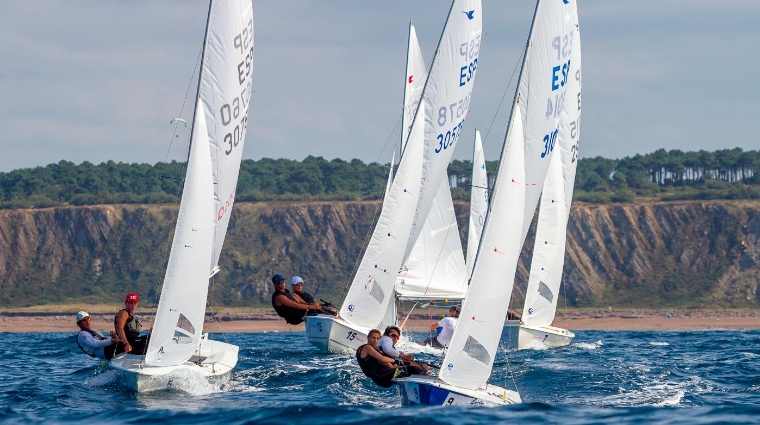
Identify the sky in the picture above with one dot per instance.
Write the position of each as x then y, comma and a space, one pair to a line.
100, 80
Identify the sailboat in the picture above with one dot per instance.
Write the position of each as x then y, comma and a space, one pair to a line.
528, 148
546, 271
177, 345
435, 128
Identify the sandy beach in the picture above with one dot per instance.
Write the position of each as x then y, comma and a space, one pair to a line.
266, 321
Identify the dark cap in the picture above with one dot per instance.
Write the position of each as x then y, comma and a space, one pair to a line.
277, 279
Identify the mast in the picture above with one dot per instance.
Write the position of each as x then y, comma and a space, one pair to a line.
200, 74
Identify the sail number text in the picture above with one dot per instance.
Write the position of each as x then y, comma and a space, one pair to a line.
562, 45
236, 111
453, 115
469, 51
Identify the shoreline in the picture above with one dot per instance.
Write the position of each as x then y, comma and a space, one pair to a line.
266, 321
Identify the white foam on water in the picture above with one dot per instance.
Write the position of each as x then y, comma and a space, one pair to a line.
587, 345
659, 343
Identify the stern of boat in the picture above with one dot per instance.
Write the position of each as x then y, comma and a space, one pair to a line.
431, 391
214, 361
540, 337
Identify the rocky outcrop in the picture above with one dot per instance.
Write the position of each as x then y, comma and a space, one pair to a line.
658, 254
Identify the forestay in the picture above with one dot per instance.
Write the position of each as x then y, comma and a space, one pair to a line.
532, 134
478, 201
181, 308
225, 89
549, 250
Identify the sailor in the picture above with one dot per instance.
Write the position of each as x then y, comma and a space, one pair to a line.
93, 342
128, 328
381, 369
296, 283
447, 324
387, 346
286, 305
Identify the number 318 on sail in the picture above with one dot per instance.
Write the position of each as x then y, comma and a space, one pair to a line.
549, 141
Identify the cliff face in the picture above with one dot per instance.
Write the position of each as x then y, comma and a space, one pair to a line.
686, 254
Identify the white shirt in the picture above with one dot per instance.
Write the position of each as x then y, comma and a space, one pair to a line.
448, 324
386, 344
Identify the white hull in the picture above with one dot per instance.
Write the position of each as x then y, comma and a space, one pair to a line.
333, 334
543, 337
431, 391
213, 361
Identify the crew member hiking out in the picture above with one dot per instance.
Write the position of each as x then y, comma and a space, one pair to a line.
286, 305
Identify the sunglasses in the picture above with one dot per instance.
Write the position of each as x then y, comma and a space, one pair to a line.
394, 336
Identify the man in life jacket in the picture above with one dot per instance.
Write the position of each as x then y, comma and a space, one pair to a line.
128, 328
286, 305
296, 283
93, 342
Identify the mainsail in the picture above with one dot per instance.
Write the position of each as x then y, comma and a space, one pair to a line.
225, 89
549, 247
435, 267
528, 147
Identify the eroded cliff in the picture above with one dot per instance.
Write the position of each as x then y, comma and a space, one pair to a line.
676, 254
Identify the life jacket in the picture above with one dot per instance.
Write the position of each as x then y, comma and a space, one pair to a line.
132, 328
375, 369
94, 335
305, 296
291, 315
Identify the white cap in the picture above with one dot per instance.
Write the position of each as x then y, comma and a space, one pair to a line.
296, 280
82, 315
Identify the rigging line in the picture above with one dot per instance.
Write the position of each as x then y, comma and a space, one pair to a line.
159, 285
184, 102
506, 89
359, 256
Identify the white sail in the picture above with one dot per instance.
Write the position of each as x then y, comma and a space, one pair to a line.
478, 201
414, 82
372, 288
447, 95
532, 133
435, 267
225, 89
182, 306
545, 74
471, 353
549, 248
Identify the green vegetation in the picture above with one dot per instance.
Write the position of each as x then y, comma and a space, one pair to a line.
673, 175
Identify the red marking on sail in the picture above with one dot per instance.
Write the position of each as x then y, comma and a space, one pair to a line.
473, 318
410, 79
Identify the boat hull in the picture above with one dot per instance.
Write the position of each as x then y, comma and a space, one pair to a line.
335, 335
431, 391
213, 361
539, 337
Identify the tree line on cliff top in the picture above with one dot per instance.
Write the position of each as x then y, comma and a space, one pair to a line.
666, 175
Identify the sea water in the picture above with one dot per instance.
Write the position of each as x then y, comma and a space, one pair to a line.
603, 377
